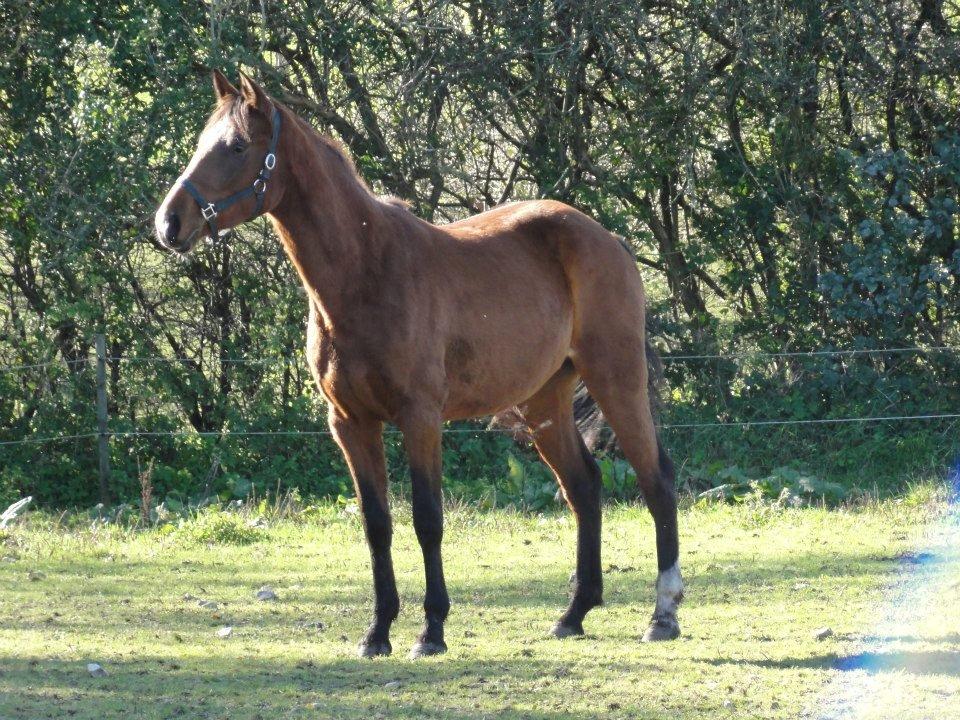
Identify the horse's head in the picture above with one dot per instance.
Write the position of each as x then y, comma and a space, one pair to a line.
227, 181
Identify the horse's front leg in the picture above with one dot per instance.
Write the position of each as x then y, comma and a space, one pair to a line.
421, 437
362, 445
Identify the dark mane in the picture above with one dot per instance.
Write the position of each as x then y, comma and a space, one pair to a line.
336, 149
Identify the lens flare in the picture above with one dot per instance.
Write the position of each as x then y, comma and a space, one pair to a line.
908, 653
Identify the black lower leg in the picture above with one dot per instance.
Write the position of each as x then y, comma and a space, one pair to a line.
584, 496
664, 512
428, 523
379, 531
661, 499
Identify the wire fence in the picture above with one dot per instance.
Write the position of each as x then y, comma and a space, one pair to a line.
666, 358
813, 353
742, 424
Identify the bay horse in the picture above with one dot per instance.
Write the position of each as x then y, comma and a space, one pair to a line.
416, 324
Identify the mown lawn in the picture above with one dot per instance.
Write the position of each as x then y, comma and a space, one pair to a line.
760, 580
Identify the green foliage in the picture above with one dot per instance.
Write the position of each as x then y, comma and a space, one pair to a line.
619, 478
787, 176
784, 485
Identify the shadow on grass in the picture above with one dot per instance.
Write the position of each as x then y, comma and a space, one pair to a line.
150, 686
929, 662
932, 662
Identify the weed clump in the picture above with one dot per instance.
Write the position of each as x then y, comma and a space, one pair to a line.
215, 526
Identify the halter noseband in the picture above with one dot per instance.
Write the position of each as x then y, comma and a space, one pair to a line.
210, 210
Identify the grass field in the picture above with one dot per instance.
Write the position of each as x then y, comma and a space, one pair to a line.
761, 579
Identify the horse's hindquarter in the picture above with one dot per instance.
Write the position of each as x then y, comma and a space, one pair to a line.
508, 283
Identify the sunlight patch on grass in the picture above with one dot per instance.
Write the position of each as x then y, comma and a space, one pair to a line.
760, 580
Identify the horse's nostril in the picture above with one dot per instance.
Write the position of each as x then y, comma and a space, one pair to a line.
173, 227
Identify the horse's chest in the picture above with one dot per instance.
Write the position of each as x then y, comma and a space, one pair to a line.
350, 378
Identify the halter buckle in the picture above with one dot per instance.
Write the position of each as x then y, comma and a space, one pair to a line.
270, 161
209, 212
259, 186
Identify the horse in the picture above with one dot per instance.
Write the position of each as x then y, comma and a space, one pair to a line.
416, 324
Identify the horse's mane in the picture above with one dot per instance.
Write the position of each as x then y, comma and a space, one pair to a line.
336, 149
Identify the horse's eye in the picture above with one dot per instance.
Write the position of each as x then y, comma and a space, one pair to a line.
238, 146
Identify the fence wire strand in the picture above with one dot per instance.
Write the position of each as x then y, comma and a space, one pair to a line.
457, 431
48, 363
666, 357
51, 438
470, 431
812, 353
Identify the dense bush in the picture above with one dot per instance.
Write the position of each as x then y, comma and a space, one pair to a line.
786, 172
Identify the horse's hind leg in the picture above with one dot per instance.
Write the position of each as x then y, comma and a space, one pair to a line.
549, 415
614, 371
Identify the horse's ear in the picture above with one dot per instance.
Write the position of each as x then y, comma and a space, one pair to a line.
254, 94
223, 87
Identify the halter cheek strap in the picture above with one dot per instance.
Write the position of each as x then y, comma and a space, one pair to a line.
210, 210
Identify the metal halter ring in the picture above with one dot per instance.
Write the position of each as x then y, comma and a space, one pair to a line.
259, 186
209, 212
270, 161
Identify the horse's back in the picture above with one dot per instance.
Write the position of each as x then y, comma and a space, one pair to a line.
599, 271
549, 222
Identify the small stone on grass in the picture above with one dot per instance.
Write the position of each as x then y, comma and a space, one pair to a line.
225, 632
822, 633
392, 685
266, 593
96, 670
317, 625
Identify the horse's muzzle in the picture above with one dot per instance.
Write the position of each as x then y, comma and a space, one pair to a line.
168, 229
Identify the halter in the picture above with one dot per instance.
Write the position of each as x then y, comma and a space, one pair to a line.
210, 210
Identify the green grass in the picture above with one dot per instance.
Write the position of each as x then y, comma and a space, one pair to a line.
760, 580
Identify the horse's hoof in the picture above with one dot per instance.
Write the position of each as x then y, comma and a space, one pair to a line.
662, 628
424, 648
562, 630
372, 649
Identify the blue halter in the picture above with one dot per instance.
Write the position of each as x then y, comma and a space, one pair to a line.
210, 210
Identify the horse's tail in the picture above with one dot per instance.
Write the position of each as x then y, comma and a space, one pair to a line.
597, 434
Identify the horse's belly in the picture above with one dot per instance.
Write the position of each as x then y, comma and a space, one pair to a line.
489, 371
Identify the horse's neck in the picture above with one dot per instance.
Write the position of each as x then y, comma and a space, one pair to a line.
327, 221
